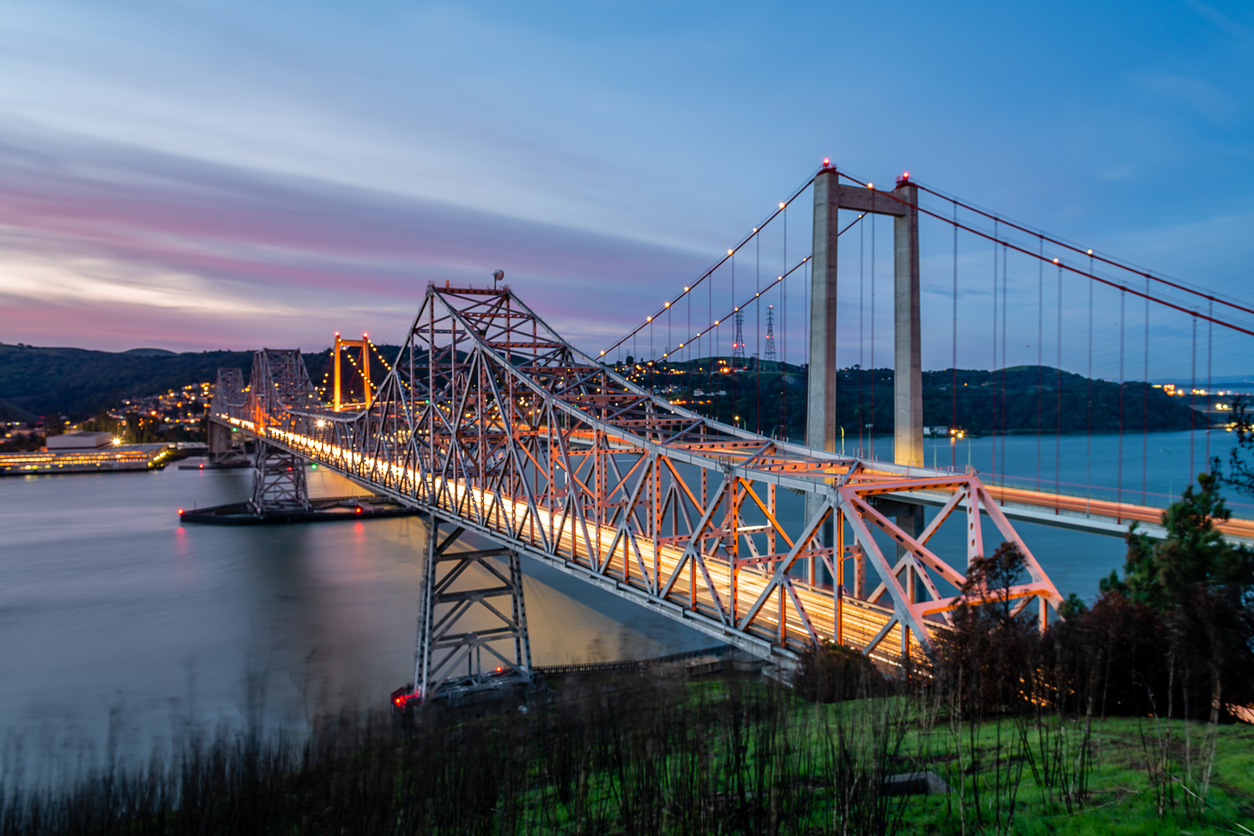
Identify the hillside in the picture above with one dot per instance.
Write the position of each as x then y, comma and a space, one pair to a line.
79, 383
1018, 399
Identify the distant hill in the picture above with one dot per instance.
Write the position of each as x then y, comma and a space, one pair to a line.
150, 352
13, 412
1020, 399
79, 383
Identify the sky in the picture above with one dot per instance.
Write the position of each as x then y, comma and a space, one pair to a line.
204, 175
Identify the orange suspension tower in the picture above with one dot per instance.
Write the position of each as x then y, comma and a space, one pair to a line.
364, 345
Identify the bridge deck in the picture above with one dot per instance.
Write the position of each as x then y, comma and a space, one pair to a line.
496, 515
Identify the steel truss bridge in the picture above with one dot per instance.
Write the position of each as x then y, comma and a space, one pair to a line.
492, 423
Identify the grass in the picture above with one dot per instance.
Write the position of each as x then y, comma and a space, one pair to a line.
1120, 796
643, 755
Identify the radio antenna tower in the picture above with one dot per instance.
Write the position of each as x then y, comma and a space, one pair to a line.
768, 355
738, 346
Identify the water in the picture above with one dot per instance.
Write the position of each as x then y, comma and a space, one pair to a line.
110, 609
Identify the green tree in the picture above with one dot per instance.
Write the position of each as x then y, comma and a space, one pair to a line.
1194, 555
1240, 468
1203, 589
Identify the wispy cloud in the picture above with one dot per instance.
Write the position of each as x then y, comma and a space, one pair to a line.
197, 240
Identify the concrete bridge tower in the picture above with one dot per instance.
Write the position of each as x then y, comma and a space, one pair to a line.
822, 431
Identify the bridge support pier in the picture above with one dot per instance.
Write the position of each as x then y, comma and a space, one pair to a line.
278, 481
225, 447
458, 622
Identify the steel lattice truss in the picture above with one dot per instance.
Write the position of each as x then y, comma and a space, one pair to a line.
492, 421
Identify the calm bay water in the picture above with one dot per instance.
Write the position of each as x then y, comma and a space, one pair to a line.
110, 608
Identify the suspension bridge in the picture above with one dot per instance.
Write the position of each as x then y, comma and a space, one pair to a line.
493, 424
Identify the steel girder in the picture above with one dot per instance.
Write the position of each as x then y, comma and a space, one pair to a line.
491, 419
459, 619
279, 483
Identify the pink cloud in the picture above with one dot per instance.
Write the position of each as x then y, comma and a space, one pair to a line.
320, 249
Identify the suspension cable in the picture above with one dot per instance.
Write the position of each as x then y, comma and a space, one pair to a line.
735, 308
710, 272
1090, 274
1080, 251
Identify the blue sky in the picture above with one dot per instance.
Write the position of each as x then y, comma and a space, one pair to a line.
205, 175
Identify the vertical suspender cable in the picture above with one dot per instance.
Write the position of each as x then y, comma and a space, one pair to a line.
993, 370
1123, 303
736, 337
1210, 344
874, 371
1040, 350
757, 318
1192, 403
1145, 404
1005, 359
1058, 400
805, 329
1088, 447
783, 330
861, 336
953, 420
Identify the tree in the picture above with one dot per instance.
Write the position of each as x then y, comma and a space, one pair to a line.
987, 660
1240, 469
1164, 573
1203, 589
